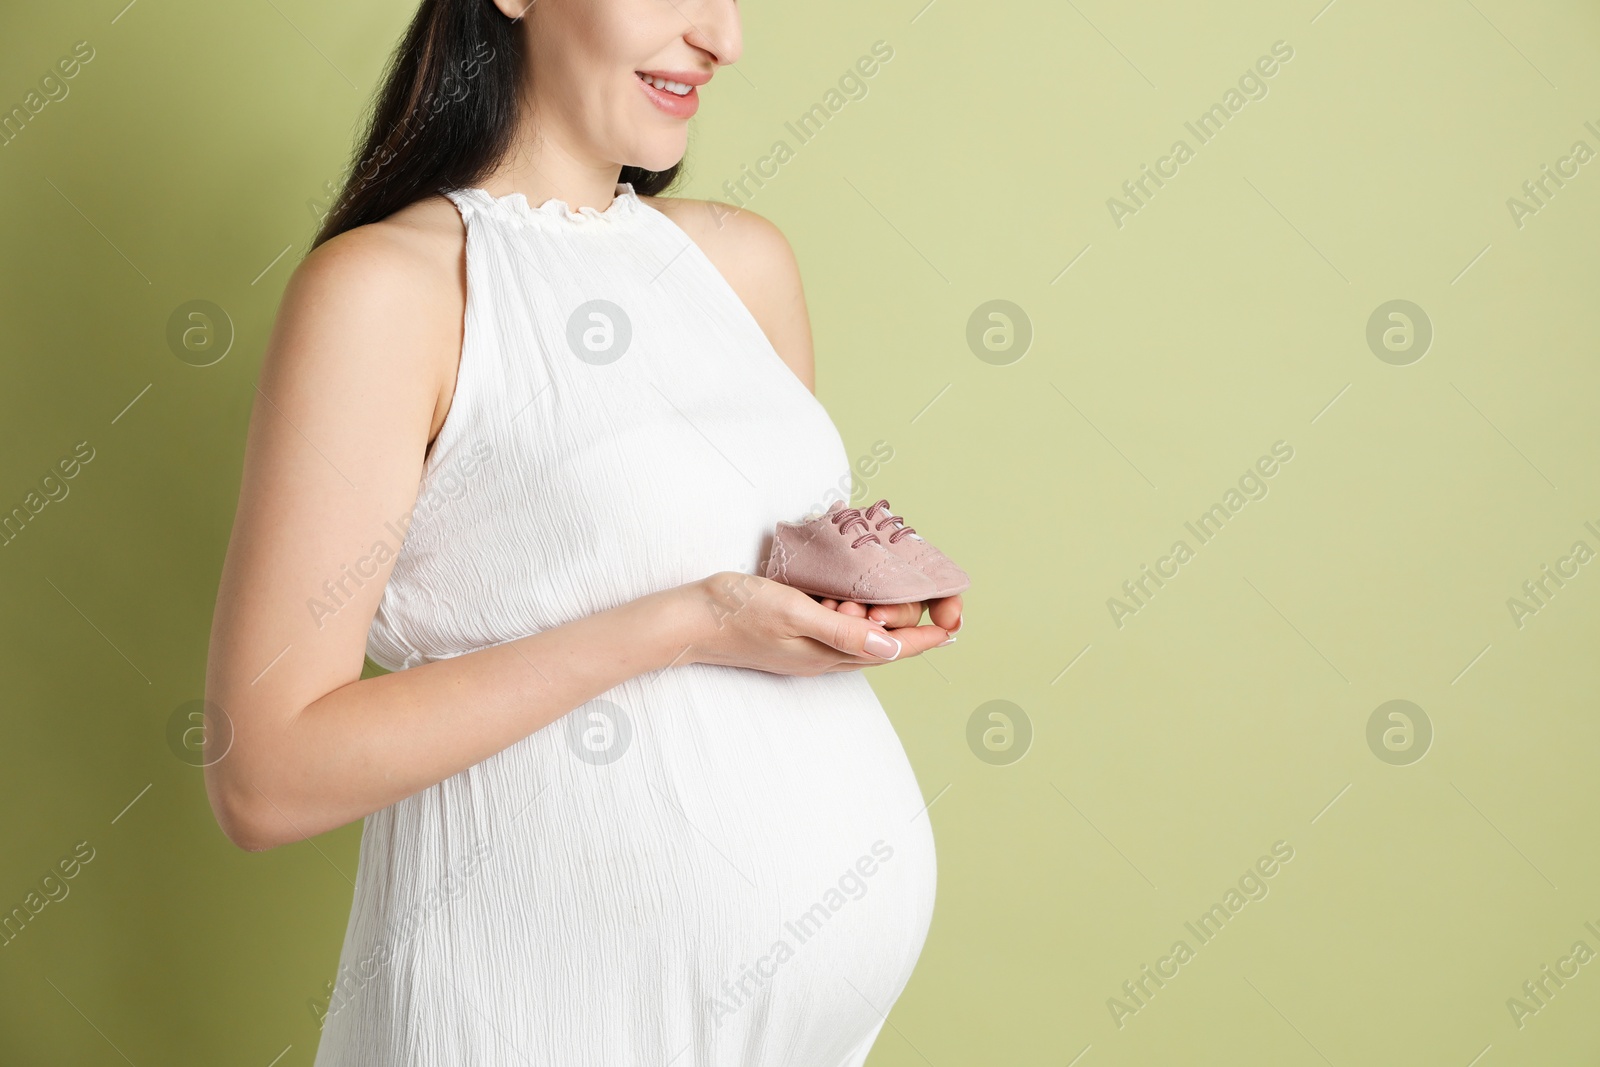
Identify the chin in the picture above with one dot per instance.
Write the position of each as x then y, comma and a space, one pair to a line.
660, 153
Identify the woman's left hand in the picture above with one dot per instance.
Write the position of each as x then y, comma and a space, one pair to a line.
945, 612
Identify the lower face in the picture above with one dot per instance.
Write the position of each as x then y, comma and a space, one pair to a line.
587, 57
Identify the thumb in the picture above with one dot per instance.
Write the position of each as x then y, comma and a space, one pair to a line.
849, 634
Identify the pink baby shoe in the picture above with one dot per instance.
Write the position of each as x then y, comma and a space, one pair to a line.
837, 555
905, 542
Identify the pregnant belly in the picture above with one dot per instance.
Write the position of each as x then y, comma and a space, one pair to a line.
796, 800
708, 858
775, 827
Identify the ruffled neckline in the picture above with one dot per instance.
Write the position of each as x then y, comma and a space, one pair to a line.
624, 202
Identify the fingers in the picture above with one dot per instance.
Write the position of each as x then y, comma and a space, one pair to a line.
847, 633
863, 632
849, 607
894, 616
946, 613
913, 640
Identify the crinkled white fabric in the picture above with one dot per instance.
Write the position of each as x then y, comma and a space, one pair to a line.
708, 866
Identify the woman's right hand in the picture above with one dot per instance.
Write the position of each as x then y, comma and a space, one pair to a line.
743, 620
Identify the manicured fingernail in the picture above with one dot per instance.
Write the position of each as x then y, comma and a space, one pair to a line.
949, 640
960, 620
882, 645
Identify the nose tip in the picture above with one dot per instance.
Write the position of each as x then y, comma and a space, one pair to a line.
719, 33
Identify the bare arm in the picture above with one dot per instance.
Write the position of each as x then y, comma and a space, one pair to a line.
347, 396
355, 378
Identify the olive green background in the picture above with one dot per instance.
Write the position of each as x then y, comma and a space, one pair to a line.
1167, 754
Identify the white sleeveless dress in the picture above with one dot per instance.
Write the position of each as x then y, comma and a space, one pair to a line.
707, 866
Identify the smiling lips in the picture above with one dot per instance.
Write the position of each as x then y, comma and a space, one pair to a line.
673, 91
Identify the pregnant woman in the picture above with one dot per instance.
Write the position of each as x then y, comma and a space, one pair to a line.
522, 434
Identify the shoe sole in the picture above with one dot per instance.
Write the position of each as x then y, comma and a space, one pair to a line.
893, 600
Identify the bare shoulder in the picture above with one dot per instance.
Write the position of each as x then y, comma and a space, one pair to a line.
759, 264
406, 272
418, 243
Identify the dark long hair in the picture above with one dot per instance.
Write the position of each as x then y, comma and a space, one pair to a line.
445, 115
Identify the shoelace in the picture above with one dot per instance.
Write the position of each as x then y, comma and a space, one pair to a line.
901, 532
847, 517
